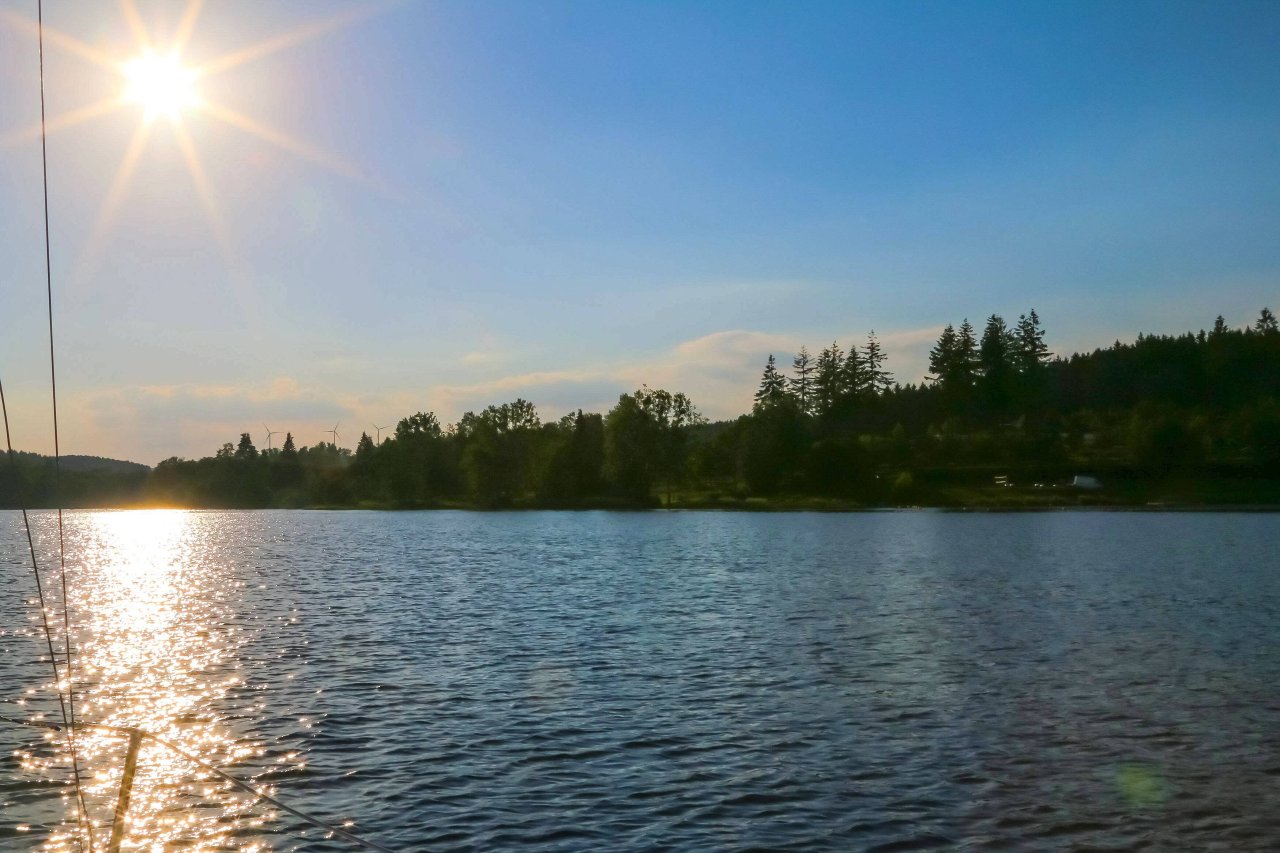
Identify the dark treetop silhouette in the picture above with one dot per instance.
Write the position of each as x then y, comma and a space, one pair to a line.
1190, 418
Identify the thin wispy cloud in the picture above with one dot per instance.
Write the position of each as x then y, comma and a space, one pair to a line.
147, 423
719, 370
571, 237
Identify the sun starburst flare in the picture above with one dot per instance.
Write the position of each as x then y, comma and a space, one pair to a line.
156, 82
159, 84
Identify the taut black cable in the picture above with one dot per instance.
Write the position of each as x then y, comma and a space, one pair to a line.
44, 611
57, 450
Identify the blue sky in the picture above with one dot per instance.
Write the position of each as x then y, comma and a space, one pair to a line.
448, 205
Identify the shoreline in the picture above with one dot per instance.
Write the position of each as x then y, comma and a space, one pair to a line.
779, 507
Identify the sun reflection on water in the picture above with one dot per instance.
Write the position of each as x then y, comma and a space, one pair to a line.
156, 649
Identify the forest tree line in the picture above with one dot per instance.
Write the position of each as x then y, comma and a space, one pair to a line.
1185, 409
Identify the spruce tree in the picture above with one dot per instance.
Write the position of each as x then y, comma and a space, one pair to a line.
1029, 348
1028, 355
966, 361
878, 380
993, 352
993, 359
942, 358
802, 383
773, 385
828, 381
855, 373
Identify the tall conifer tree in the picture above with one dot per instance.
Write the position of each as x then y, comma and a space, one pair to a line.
829, 381
773, 385
1029, 347
966, 363
878, 380
994, 361
942, 358
802, 383
855, 373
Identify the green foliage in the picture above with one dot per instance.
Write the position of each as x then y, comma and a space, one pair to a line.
496, 451
1030, 352
246, 450
875, 379
903, 486
1163, 443
1167, 410
422, 424
801, 384
829, 385
953, 362
773, 386
630, 447
574, 473
30, 480
645, 441
942, 358
855, 376
995, 365
1262, 437
1266, 323
775, 440
839, 467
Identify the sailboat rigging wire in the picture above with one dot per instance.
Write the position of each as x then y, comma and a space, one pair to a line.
67, 706
82, 816
245, 786
57, 450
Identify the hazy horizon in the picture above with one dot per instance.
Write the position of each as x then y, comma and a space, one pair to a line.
387, 208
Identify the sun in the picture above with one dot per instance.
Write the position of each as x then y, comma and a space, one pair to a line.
159, 84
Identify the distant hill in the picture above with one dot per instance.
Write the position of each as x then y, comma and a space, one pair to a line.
86, 481
99, 463
87, 464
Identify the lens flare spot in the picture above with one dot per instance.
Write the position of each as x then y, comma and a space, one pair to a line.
1141, 785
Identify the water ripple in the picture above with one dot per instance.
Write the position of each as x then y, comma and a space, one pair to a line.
579, 681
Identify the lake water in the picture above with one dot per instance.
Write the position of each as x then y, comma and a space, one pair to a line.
647, 681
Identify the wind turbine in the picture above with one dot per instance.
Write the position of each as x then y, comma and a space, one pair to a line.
334, 432
270, 432
380, 429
